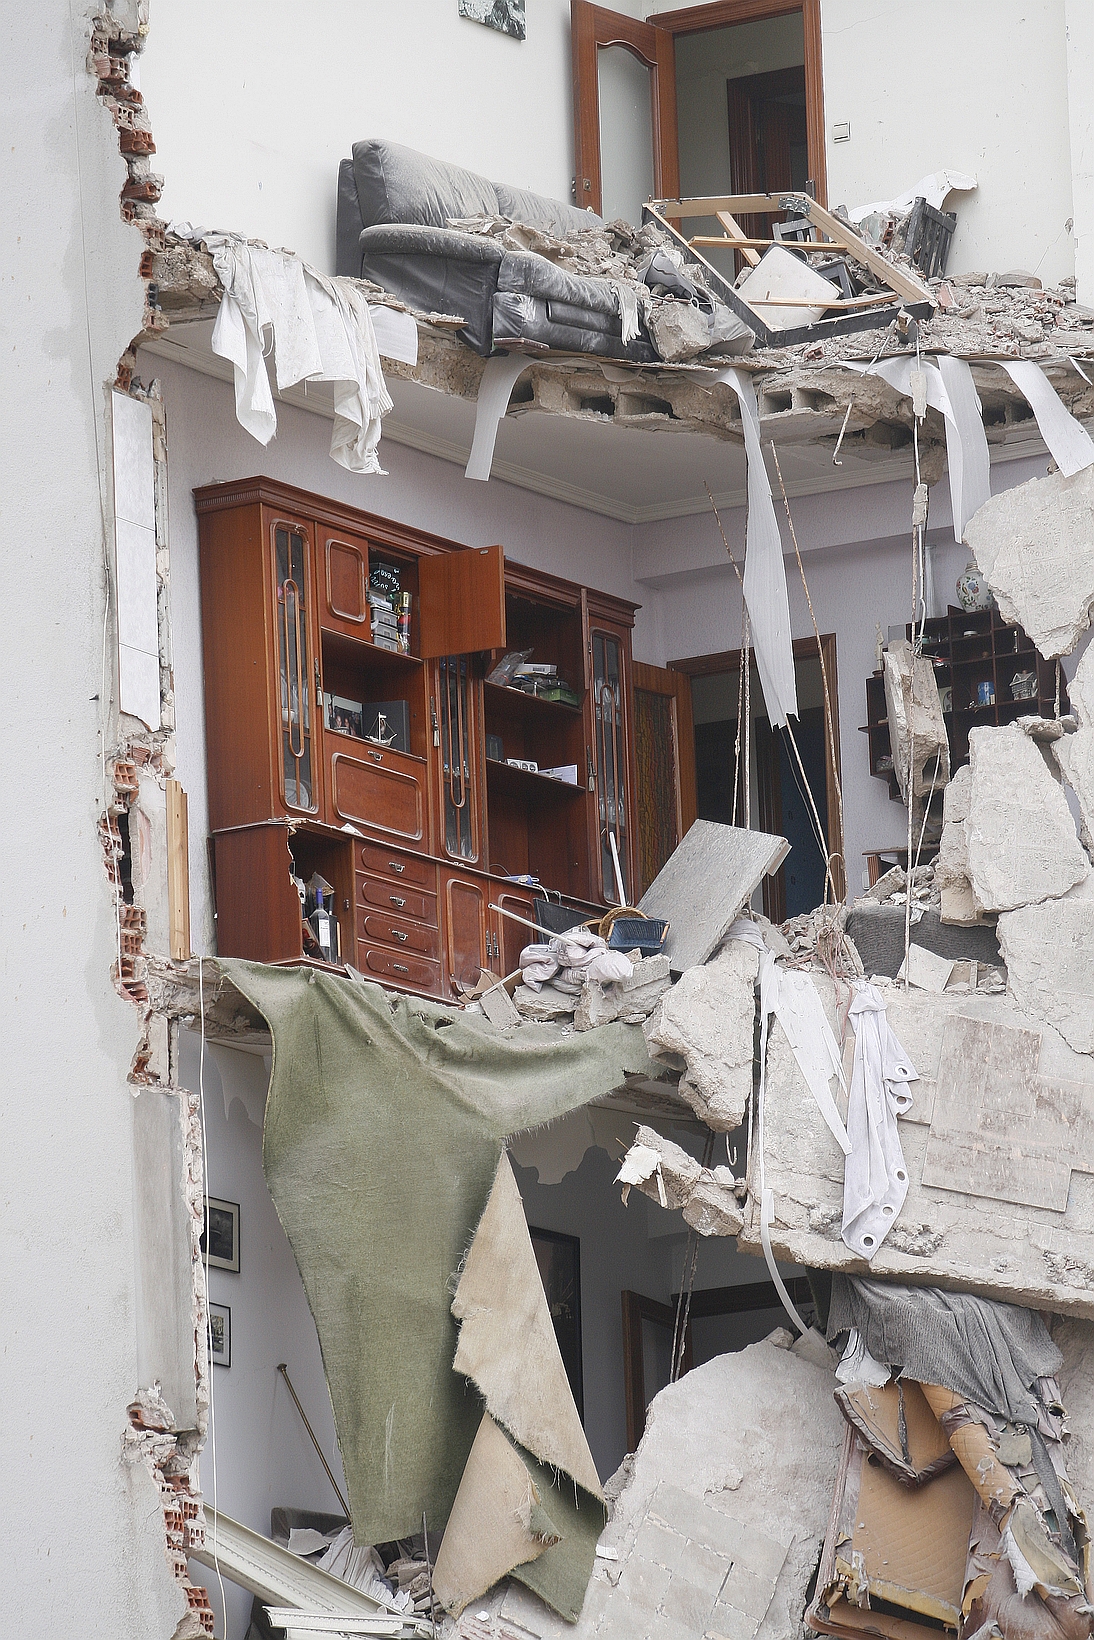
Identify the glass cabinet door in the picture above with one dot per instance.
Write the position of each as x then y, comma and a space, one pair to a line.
611, 757
457, 731
295, 662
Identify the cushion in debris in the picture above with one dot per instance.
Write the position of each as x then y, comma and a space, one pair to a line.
878, 933
522, 205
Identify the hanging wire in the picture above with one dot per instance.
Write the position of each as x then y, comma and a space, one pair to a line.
687, 1284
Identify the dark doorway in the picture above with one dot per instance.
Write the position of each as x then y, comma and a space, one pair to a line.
778, 798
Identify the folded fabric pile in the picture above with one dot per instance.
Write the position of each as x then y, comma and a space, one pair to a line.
568, 961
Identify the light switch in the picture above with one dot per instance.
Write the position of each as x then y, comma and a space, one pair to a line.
841, 131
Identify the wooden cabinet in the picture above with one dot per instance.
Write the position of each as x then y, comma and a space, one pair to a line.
382, 760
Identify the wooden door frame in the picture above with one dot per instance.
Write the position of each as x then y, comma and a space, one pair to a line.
729, 660
651, 681
636, 1309
592, 26
723, 13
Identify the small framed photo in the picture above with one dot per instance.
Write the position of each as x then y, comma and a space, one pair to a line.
220, 1335
220, 1235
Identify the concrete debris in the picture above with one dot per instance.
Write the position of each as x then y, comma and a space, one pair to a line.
708, 1019
1035, 547
1049, 952
705, 883
544, 1005
958, 905
1022, 843
925, 969
719, 1521
917, 729
820, 939
631, 1000
999, 1148
665, 1173
1074, 753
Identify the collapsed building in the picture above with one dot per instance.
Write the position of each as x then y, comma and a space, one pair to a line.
575, 1138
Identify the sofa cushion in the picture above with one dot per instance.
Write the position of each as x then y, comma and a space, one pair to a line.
522, 205
397, 184
411, 239
527, 319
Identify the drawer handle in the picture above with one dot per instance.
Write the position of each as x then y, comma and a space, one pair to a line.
400, 968
377, 757
400, 934
397, 900
398, 866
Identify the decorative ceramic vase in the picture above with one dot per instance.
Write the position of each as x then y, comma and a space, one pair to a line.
973, 591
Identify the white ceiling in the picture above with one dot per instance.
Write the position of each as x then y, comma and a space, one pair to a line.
637, 475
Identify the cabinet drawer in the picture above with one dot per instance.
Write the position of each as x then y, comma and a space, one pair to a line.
406, 902
382, 789
406, 868
404, 968
374, 927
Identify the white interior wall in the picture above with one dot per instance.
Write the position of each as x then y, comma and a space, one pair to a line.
263, 1456
251, 119
979, 87
206, 445
83, 1542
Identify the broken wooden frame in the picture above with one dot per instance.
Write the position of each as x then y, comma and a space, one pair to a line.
909, 294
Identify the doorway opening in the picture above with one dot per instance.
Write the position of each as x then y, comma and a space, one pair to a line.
778, 801
715, 99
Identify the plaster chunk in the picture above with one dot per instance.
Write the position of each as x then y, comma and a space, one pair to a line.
998, 1145
1049, 952
707, 1017
545, 1004
1022, 845
917, 728
664, 1172
1074, 753
730, 1487
951, 867
1035, 547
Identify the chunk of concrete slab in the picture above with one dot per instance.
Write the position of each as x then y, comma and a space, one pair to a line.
926, 969
737, 1464
1034, 545
951, 868
1049, 953
917, 728
1022, 842
754, 1386
998, 1143
544, 1005
704, 884
664, 1172
707, 1018
1074, 753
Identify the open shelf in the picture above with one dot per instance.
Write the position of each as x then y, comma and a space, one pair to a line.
515, 703
503, 777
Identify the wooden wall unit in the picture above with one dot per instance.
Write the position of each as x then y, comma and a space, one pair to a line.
418, 840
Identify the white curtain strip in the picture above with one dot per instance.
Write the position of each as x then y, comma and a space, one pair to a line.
875, 1180
1071, 446
495, 385
765, 573
966, 441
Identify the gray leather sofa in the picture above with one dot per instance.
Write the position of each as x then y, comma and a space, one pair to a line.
394, 206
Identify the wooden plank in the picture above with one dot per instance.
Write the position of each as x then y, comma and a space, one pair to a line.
462, 598
844, 302
911, 289
735, 232
178, 872
738, 204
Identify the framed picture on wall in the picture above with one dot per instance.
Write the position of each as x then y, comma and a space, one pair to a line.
220, 1235
220, 1335
559, 1260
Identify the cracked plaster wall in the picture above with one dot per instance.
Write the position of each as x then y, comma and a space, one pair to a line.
979, 88
73, 1352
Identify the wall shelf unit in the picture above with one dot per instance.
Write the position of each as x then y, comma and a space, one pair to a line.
968, 650
414, 828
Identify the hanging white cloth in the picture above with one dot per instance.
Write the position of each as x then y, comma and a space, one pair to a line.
1071, 446
765, 573
497, 381
875, 1180
321, 330
966, 441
